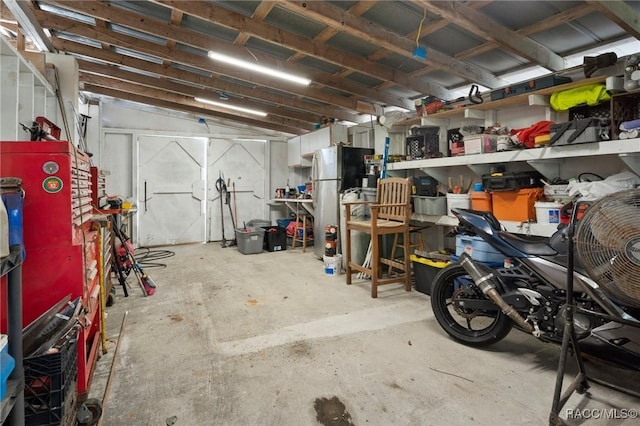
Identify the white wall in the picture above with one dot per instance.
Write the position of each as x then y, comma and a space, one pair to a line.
67, 69
112, 139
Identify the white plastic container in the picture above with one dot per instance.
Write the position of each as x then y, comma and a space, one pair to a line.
462, 201
4, 231
332, 265
548, 212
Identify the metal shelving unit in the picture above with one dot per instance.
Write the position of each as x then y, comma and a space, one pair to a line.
12, 406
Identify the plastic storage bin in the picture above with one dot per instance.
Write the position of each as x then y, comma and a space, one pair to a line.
432, 206
250, 240
424, 271
518, 206
258, 223
6, 365
478, 249
275, 238
462, 201
481, 201
50, 386
480, 144
548, 213
282, 223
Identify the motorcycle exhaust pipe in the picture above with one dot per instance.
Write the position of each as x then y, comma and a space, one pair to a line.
483, 277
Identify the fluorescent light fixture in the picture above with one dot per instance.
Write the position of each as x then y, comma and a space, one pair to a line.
249, 140
233, 107
259, 68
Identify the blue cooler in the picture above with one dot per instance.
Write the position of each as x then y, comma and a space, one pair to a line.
478, 249
6, 364
13, 199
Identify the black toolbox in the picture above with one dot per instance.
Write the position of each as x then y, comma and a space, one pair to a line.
529, 86
511, 181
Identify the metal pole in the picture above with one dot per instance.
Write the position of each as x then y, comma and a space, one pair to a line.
14, 297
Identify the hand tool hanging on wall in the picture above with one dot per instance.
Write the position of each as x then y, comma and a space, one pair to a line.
225, 198
220, 185
235, 203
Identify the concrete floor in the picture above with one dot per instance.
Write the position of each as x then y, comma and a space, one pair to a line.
269, 339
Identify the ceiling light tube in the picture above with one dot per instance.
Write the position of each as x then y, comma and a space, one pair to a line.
259, 68
233, 107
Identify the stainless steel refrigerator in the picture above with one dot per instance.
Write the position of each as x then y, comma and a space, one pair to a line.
334, 170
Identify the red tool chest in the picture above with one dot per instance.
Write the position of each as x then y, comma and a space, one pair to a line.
61, 250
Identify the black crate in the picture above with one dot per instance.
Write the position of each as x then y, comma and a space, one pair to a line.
421, 146
275, 238
50, 386
511, 181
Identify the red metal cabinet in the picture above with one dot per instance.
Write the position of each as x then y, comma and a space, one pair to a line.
61, 249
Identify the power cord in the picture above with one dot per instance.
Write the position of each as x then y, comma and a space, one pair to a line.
150, 257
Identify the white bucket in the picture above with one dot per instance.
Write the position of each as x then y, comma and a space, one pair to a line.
332, 265
548, 212
462, 201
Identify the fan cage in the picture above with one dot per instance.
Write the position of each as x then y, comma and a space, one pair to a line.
607, 243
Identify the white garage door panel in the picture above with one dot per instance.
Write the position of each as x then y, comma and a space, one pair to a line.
170, 190
243, 164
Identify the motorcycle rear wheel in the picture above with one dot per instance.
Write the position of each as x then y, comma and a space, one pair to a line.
493, 326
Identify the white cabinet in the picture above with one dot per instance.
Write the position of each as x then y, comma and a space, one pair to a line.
293, 152
307, 144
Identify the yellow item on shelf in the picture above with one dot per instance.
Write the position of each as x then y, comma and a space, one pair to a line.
590, 94
542, 139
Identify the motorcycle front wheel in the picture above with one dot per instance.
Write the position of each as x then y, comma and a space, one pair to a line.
473, 327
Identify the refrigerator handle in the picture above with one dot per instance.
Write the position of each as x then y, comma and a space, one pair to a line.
314, 179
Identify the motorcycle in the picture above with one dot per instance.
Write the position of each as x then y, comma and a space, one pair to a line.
478, 305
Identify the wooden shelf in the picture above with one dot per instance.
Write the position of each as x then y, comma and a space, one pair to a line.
513, 101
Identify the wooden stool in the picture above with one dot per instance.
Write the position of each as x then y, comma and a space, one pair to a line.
300, 233
418, 243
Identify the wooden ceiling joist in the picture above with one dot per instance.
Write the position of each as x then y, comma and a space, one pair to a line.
486, 27
209, 11
620, 13
111, 57
361, 28
548, 23
205, 43
89, 72
202, 112
151, 93
200, 62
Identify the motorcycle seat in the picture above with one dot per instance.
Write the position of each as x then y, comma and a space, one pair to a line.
536, 248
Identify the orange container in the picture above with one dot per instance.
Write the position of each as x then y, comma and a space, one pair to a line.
518, 206
481, 201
